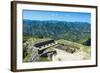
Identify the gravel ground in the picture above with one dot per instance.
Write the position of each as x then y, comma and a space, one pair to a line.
65, 56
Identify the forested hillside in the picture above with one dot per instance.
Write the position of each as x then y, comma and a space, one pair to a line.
73, 31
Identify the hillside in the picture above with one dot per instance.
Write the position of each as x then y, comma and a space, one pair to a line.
73, 31
65, 51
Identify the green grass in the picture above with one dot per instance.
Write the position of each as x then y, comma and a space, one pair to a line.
32, 40
81, 47
43, 59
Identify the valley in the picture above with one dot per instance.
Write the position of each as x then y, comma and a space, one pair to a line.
56, 41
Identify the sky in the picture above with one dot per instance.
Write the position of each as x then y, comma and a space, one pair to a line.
56, 15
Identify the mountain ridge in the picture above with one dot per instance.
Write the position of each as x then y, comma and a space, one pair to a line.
73, 31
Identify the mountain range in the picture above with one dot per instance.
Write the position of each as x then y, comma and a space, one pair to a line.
72, 31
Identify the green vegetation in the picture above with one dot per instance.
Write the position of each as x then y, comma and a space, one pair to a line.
43, 59
83, 50
73, 31
70, 34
